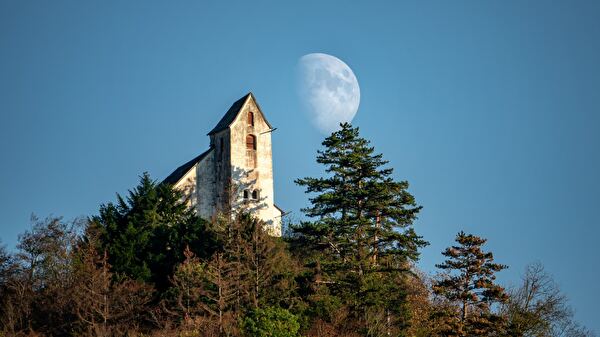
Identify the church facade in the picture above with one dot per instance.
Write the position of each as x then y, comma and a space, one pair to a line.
236, 172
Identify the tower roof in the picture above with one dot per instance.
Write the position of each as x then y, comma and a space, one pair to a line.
232, 113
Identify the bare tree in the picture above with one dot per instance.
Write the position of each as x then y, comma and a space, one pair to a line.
222, 291
37, 285
538, 308
261, 259
102, 305
92, 288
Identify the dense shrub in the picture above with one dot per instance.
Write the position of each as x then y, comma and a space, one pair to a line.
271, 322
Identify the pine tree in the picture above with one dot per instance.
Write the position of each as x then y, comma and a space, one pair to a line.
362, 233
469, 283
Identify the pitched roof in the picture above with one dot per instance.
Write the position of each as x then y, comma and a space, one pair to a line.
179, 172
232, 113
224, 123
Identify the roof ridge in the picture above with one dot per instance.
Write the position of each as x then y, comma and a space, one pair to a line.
231, 114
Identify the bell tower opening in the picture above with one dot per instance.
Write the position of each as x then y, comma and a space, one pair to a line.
250, 118
251, 151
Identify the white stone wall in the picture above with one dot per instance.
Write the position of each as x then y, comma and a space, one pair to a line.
220, 178
198, 185
206, 186
261, 177
187, 184
221, 170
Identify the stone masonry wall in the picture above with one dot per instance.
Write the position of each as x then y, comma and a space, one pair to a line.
254, 178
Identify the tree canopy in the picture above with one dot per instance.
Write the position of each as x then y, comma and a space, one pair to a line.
146, 233
146, 264
362, 236
469, 283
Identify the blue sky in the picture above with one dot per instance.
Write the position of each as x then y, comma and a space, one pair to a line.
490, 109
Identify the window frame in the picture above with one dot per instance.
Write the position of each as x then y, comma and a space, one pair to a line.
250, 118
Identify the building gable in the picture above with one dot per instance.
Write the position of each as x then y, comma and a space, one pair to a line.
234, 111
240, 155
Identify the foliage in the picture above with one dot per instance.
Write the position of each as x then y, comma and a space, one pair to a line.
146, 234
104, 306
246, 271
362, 238
148, 266
271, 322
539, 308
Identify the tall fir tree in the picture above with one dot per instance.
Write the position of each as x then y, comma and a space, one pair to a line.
469, 284
362, 234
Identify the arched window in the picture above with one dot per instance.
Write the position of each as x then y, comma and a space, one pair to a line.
251, 151
250, 118
255, 194
250, 142
246, 194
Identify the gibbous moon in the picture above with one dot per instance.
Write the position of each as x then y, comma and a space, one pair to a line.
329, 90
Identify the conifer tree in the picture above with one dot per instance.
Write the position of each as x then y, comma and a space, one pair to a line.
469, 283
146, 233
362, 229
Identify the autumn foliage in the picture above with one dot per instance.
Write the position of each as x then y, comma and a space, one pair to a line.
146, 265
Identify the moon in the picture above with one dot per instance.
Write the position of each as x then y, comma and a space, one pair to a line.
329, 90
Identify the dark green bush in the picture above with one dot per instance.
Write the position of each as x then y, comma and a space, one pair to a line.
271, 322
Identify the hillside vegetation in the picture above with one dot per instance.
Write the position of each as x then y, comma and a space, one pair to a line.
146, 265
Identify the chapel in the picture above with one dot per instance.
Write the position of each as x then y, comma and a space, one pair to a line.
236, 172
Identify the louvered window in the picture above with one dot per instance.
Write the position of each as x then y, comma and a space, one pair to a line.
251, 151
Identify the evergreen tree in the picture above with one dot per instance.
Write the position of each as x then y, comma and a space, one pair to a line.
469, 283
362, 234
146, 234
